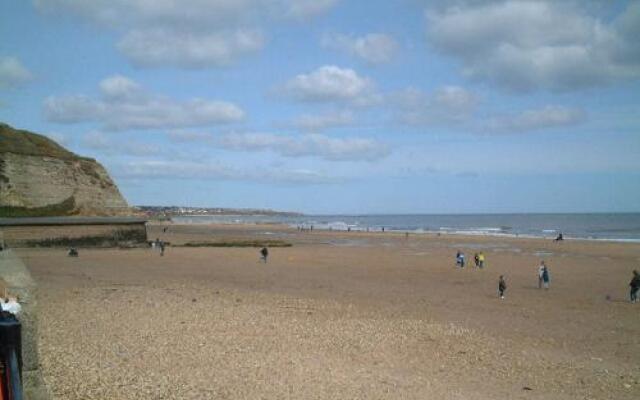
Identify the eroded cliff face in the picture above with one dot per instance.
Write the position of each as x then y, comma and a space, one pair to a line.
52, 181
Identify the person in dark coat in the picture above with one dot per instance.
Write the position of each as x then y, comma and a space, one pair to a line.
635, 286
264, 254
545, 277
502, 286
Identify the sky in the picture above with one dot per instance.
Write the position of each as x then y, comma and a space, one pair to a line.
337, 106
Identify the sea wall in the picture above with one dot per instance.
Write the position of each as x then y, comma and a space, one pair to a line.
105, 235
19, 282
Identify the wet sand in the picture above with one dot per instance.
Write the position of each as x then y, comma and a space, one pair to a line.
338, 315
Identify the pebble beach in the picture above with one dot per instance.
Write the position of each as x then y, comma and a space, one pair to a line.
338, 315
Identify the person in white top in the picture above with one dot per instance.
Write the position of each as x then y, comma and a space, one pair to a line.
11, 305
540, 273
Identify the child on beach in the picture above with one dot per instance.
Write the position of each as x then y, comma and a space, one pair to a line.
635, 286
264, 254
545, 277
502, 286
476, 260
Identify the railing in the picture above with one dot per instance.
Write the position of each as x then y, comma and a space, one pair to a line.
10, 358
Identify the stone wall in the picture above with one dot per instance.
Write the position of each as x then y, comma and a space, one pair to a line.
19, 282
39, 181
22, 236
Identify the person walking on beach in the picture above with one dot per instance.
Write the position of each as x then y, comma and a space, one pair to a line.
540, 272
635, 286
264, 254
460, 259
502, 286
476, 260
481, 260
162, 247
545, 277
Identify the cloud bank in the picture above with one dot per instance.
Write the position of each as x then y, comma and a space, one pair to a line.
123, 104
531, 45
311, 145
187, 33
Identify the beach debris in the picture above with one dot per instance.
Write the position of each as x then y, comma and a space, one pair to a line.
526, 388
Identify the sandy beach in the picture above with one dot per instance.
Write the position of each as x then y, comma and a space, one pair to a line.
338, 316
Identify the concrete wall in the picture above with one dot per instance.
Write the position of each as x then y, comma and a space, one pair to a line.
19, 282
18, 236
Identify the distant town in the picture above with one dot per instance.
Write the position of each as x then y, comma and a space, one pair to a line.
169, 211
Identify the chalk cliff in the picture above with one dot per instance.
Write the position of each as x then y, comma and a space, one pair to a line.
38, 177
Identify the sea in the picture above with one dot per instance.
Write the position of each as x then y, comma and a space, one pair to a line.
621, 227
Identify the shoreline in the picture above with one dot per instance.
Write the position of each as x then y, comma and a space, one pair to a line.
418, 232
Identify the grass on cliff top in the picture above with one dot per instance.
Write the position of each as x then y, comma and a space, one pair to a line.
239, 243
23, 142
64, 208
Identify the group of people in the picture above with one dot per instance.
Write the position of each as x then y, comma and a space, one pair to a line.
544, 277
478, 259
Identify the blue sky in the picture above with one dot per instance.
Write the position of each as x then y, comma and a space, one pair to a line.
336, 106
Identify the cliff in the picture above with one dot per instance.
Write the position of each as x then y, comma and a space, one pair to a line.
38, 177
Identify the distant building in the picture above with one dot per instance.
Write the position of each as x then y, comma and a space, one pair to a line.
73, 231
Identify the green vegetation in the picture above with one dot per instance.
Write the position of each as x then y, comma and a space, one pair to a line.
239, 243
64, 208
122, 238
23, 142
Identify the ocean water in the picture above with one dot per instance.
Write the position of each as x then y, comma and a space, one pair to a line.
597, 226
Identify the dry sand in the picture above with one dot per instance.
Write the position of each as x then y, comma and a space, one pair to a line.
338, 316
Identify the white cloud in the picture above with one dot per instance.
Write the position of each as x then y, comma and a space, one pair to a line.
126, 105
527, 45
319, 122
119, 87
374, 48
446, 105
12, 72
330, 83
157, 47
189, 136
303, 9
128, 13
454, 106
187, 33
157, 169
536, 119
311, 145
106, 145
